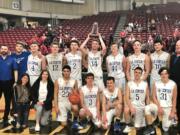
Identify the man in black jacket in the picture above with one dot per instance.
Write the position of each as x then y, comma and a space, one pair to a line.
175, 75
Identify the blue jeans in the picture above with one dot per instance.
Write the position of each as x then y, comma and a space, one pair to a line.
23, 113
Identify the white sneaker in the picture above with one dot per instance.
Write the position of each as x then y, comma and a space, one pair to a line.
18, 125
37, 128
10, 120
127, 129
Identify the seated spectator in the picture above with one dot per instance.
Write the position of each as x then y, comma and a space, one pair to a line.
131, 38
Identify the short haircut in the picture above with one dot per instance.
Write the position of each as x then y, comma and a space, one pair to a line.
66, 67
55, 43
110, 78
136, 41
89, 75
4, 46
74, 41
113, 43
158, 41
20, 43
162, 69
139, 68
96, 40
36, 43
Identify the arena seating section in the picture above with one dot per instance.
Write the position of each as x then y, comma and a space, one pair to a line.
79, 28
10, 36
158, 12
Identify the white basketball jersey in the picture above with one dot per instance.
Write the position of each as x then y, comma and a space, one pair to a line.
95, 63
137, 93
115, 66
111, 96
158, 61
164, 92
64, 89
90, 96
55, 65
136, 61
34, 65
75, 62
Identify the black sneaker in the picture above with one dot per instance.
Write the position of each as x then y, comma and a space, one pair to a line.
13, 123
84, 123
76, 125
5, 123
166, 133
117, 126
156, 122
149, 131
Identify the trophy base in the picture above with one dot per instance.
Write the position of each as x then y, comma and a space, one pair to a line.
93, 35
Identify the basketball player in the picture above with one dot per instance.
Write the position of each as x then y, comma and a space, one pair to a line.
116, 65
62, 88
55, 61
111, 105
136, 96
90, 101
95, 59
35, 64
74, 60
158, 59
137, 59
164, 97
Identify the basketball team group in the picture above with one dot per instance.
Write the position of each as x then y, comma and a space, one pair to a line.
139, 90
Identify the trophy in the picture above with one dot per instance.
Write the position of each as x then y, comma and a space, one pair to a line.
94, 31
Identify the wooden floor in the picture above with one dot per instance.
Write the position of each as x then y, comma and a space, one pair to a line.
53, 130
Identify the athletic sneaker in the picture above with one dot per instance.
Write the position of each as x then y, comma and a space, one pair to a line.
37, 128
76, 125
127, 129
117, 125
85, 122
18, 125
166, 133
149, 130
156, 122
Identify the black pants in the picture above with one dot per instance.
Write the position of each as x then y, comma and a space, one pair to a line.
23, 113
178, 103
6, 88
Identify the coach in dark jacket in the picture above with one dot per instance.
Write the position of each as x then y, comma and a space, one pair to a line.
42, 93
175, 76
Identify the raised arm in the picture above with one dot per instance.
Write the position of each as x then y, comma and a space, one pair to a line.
83, 50
102, 44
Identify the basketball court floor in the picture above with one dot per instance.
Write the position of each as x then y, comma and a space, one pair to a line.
53, 128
